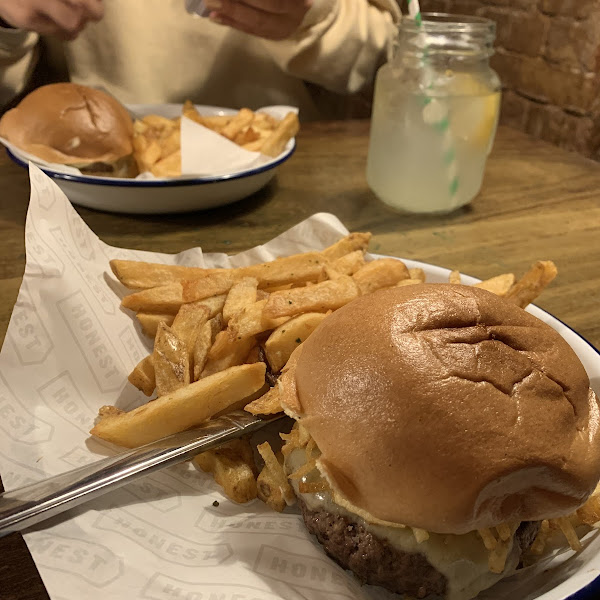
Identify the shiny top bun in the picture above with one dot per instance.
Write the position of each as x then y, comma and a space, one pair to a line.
447, 408
70, 124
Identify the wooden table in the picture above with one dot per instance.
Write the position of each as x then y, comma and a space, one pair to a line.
538, 202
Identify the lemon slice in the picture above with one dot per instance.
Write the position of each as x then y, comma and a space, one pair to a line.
474, 112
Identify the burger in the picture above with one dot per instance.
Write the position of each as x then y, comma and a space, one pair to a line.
437, 426
73, 125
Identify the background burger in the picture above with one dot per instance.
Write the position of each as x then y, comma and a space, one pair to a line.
437, 426
73, 125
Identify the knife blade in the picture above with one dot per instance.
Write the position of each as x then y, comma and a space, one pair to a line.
31, 504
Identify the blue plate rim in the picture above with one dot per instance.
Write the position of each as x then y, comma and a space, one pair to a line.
593, 587
137, 183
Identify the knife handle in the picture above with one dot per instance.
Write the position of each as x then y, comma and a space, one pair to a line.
36, 502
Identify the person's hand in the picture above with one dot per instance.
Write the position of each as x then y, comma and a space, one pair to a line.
270, 19
63, 18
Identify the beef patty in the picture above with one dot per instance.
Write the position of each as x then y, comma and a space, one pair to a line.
375, 561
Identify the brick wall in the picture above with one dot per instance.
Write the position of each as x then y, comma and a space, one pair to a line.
548, 57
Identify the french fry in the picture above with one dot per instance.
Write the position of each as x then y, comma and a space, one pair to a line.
569, 532
164, 299
146, 152
109, 411
488, 537
204, 341
237, 123
233, 468
158, 122
230, 353
264, 121
421, 535
150, 321
185, 408
350, 243
267, 404
531, 285
254, 146
169, 166
497, 557
285, 130
143, 376
221, 345
169, 298
349, 263
251, 321
269, 490
240, 295
188, 321
214, 304
589, 513
216, 122
139, 127
246, 136
287, 337
498, 285
321, 297
329, 273
454, 277
254, 355
211, 285
417, 274
264, 293
236, 448
381, 273
273, 486
141, 275
297, 268
187, 326
408, 282
189, 111
170, 360
170, 145
541, 539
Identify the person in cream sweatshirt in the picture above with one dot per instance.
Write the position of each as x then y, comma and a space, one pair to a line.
248, 53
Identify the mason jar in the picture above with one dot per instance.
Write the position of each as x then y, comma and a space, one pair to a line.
435, 113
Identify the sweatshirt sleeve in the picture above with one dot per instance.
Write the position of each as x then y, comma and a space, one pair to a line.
18, 57
340, 43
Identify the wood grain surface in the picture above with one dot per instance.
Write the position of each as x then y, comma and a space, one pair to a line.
537, 202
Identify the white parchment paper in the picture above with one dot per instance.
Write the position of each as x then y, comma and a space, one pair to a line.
68, 351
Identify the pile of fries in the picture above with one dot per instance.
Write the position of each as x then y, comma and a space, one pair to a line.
157, 145
222, 336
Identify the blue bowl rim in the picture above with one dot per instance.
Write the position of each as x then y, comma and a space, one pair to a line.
159, 183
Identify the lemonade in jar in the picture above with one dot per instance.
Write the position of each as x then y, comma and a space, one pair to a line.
435, 113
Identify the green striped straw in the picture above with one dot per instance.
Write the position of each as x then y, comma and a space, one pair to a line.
435, 112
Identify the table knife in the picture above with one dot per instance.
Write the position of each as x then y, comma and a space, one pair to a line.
31, 504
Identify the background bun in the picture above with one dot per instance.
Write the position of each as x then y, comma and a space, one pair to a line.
447, 408
70, 124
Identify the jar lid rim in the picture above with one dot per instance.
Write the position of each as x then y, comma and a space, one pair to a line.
447, 22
